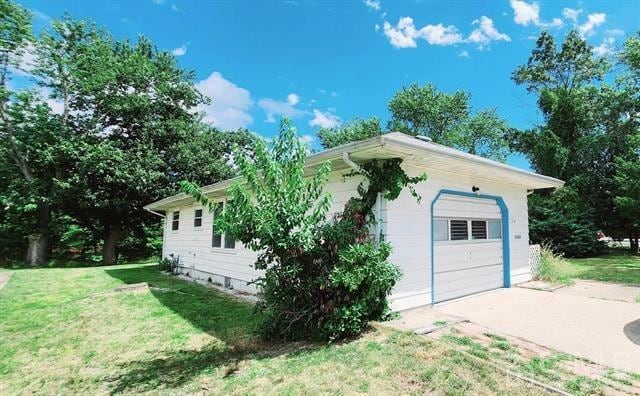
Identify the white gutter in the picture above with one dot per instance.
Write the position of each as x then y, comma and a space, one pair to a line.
351, 164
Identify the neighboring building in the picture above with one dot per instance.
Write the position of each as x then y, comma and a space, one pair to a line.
469, 233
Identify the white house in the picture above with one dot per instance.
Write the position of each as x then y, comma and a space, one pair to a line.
469, 233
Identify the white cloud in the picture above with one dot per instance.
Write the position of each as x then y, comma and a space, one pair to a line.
324, 119
486, 33
180, 51
614, 32
404, 34
525, 13
571, 14
230, 104
286, 108
529, 14
463, 54
158, 2
26, 62
308, 139
555, 23
373, 4
56, 105
376, 27
593, 21
175, 8
40, 15
607, 46
293, 99
440, 35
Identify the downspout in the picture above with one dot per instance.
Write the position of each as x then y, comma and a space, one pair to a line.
164, 228
378, 229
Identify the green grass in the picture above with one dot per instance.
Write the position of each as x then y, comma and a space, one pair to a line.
616, 266
582, 385
544, 367
66, 331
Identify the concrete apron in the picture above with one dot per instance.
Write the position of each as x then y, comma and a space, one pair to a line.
604, 331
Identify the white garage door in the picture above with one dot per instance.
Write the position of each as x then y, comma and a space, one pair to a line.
467, 247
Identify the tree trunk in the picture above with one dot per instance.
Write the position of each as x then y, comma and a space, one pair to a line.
38, 248
633, 244
109, 247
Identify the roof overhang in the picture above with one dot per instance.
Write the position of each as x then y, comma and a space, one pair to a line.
413, 151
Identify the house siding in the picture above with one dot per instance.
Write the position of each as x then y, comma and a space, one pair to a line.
408, 229
405, 223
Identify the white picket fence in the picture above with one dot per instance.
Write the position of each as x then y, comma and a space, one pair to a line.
534, 260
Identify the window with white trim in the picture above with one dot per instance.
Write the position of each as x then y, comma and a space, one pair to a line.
175, 221
197, 218
445, 229
220, 239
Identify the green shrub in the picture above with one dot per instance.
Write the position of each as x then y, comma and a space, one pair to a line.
554, 268
323, 279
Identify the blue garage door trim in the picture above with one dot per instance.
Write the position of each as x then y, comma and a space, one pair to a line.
506, 252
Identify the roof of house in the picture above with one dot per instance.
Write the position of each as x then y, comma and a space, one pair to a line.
412, 150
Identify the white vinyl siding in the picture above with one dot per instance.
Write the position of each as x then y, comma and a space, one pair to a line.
408, 229
405, 223
205, 257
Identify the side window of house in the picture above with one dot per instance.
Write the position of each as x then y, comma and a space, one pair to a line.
219, 238
216, 239
197, 218
175, 221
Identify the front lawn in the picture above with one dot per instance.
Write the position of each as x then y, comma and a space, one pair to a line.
617, 266
66, 330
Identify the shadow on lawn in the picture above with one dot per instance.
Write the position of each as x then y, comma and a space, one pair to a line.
233, 322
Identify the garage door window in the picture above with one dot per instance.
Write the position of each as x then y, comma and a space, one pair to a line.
441, 230
459, 230
478, 229
466, 229
495, 229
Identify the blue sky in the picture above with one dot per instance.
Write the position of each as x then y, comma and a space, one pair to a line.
325, 62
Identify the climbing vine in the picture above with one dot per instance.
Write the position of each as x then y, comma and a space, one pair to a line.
325, 277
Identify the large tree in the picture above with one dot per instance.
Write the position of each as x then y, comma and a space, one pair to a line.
563, 79
28, 132
356, 129
588, 126
447, 119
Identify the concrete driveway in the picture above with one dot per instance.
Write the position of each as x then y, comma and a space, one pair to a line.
604, 331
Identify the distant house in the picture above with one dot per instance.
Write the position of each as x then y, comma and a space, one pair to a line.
469, 233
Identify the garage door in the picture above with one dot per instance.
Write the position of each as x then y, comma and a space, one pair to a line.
467, 247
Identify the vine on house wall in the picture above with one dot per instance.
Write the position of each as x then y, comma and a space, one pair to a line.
323, 279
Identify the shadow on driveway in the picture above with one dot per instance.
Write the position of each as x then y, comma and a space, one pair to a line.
632, 331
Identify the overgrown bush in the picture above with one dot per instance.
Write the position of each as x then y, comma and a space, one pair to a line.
324, 278
554, 268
